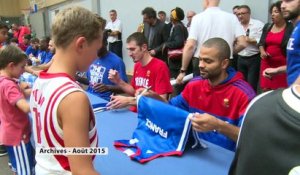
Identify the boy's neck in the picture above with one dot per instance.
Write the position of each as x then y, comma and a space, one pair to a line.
63, 62
5, 73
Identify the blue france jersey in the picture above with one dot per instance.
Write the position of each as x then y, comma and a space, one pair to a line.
48, 58
42, 56
162, 131
98, 73
293, 55
32, 51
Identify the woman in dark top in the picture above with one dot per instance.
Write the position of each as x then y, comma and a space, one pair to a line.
176, 40
272, 48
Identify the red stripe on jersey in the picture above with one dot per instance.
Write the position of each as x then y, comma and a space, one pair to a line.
93, 156
55, 134
45, 75
93, 124
93, 137
63, 160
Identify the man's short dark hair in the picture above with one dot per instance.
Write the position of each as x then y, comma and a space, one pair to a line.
34, 40
139, 38
113, 11
162, 13
221, 45
10, 54
235, 7
150, 12
3, 26
245, 7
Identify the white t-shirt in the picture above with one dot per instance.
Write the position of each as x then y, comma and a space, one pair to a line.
114, 26
255, 30
214, 22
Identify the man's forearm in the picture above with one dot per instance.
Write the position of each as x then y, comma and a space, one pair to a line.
188, 52
241, 44
281, 69
115, 89
127, 88
229, 130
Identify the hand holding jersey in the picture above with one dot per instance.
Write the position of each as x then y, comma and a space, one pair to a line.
155, 136
204, 122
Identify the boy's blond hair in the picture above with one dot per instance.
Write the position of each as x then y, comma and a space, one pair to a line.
10, 54
74, 22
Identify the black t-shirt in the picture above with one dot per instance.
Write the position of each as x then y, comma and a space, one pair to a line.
269, 142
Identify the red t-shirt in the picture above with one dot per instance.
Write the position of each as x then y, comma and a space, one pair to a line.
15, 125
22, 31
155, 74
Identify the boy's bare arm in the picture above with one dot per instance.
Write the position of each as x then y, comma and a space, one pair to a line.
23, 105
74, 117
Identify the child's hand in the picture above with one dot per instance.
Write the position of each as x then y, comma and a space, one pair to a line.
25, 88
24, 85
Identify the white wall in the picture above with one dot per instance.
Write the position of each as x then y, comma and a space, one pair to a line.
259, 9
129, 12
88, 4
38, 24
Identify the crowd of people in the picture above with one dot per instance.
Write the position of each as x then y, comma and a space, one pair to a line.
232, 57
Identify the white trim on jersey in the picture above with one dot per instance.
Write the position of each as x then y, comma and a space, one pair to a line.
184, 133
247, 109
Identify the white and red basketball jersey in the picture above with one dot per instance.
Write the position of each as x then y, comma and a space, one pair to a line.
47, 93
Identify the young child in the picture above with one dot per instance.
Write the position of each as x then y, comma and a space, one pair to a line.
62, 114
15, 126
3, 38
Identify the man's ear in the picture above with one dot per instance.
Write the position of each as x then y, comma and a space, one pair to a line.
80, 43
225, 63
144, 47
